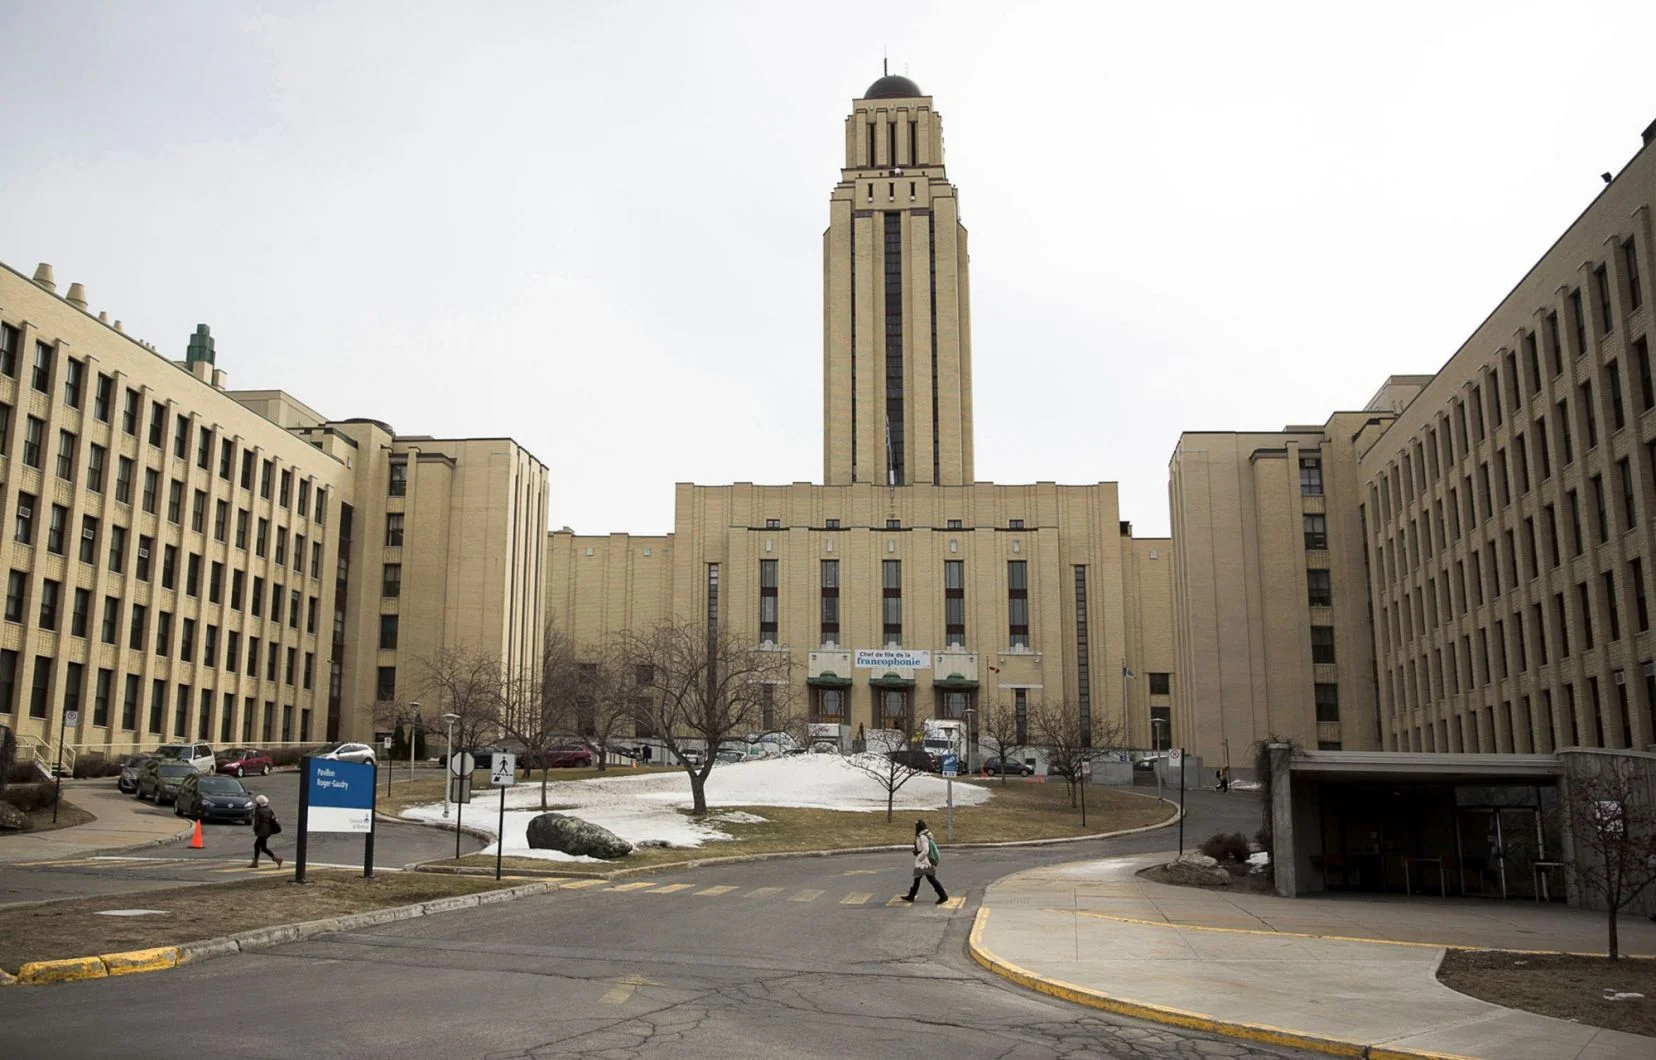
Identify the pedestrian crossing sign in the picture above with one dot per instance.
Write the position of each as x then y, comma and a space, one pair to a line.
503, 770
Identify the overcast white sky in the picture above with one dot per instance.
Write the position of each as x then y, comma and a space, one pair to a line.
597, 227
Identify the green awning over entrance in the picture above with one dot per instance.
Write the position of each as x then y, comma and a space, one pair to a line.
955, 683
828, 679
890, 679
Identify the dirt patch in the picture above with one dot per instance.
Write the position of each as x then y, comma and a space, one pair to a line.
69, 815
1570, 988
74, 928
1017, 812
1240, 883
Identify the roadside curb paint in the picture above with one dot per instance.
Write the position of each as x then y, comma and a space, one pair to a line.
76, 969
1259, 1033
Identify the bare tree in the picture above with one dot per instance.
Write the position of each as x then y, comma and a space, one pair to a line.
1000, 722
1070, 743
535, 706
705, 685
607, 700
890, 770
1613, 825
467, 684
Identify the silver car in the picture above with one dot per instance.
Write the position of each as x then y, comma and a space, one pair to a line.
346, 752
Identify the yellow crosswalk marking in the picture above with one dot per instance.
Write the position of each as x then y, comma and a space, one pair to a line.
955, 903
637, 885
575, 885
762, 892
856, 898
714, 890
623, 989
672, 888
895, 902
861, 872
806, 896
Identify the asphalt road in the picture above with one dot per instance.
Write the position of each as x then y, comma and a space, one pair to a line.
227, 849
798, 957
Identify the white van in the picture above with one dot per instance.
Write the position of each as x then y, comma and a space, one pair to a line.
199, 755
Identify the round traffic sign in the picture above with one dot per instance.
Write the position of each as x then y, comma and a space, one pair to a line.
462, 764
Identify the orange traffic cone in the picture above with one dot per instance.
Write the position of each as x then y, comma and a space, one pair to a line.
195, 840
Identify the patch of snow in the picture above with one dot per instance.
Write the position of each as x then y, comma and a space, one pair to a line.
644, 808
738, 817
1260, 857
1618, 995
1244, 785
132, 912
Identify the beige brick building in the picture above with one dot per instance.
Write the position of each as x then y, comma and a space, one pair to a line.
1018, 593
187, 562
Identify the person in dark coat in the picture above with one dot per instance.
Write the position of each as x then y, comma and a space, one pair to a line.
264, 826
924, 866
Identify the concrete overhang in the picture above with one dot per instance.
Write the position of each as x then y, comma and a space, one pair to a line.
1397, 765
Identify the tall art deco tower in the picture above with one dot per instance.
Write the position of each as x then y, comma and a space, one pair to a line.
897, 365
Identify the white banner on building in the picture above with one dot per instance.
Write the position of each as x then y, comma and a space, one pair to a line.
890, 659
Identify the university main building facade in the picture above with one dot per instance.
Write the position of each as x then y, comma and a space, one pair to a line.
1460, 565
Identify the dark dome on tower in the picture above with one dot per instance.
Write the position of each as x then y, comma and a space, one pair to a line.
893, 86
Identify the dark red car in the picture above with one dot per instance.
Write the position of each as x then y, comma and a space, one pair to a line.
569, 756
243, 762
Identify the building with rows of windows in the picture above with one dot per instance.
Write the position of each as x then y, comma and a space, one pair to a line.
1019, 594
187, 562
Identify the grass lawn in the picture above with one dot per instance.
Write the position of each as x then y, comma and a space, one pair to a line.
1571, 988
72, 928
1018, 811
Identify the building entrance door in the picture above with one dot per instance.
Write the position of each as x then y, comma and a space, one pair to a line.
1498, 851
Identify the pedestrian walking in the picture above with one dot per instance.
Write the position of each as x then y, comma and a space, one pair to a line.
925, 864
265, 825
1224, 778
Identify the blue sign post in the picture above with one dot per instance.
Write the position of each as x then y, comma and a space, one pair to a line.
335, 796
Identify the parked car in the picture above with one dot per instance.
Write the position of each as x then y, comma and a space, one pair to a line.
1014, 768
346, 752
160, 778
205, 797
244, 761
730, 754
483, 757
127, 782
564, 756
921, 760
199, 755
690, 756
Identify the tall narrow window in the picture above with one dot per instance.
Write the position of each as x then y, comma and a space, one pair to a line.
1319, 590
1607, 313
1316, 532
830, 603
393, 530
768, 601
954, 603
712, 599
1083, 657
1630, 267
1322, 644
398, 486
1310, 470
1618, 414
895, 432
1017, 602
891, 600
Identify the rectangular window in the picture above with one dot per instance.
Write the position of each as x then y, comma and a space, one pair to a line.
768, 601
281, 546
163, 632
1641, 607
123, 479
129, 703
204, 448
175, 501
73, 381
111, 619
267, 472
1618, 414
131, 402
49, 591
169, 566
1319, 589
388, 633
1017, 602
385, 684
1630, 511
181, 437
1578, 321
285, 494
17, 595
830, 624
74, 682
1310, 469
41, 688
89, 540
261, 538
56, 529
394, 530
1607, 313
186, 640
1316, 532
192, 575
1600, 515
1322, 644
227, 460
95, 459
158, 424
304, 497
41, 377
1328, 701
258, 597
1161, 684
891, 590
1630, 269
23, 529
5, 428
9, 338
8, 678
1610, 609
198, 511
398, 484
34, 443
391, 580
66, 456
1584, 600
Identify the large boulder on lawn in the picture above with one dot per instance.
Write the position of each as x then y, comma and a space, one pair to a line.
1197, 870
11, 818
555, 831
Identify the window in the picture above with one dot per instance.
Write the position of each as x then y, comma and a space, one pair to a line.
398, 485
293, 608
1328, 701
891, 592
1310, 469
285, 495
1618, 414
66, 456
388, 633
232, 650
1630, 513
952, 524
129, 411
247, 459
111, 619
1630, 268
41, 377
89, 539
1607, 313
175, 501
227, 458
304, 497
287, 670
169, 566
1017, 602
158, 424
146, 547
204, 448
49, 591
299, 552
192, 575
163, 632
1641, 607
385, 684
34, 442
1316, 533
198, 511
267, 471
5, 428
954, 603
830, 601
1600, 516
123, 480
56, 528
258, 597
238, 588
1610, 605
117, 548
394, 530
281, 546
17, 592
1322, 644
391, 580
9, 337
1319, 590
768, 601
262, 537
181, 437
1161, 684
186, 640
73, 382
1014, 524
242, 516
24, 528
135, 639
129, 702
1578, 320
221, 520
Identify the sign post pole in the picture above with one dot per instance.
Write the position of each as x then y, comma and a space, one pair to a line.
1180, 760
304, 820
459, 768
373, 825
1086, 773
57, 770
502, 774
951, 767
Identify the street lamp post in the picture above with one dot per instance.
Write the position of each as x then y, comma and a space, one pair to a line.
971, 737
1155, 738
413, 727
448, 759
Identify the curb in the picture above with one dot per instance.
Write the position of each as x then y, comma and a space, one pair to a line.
1259, 1033
132, 962
102, 851
739, 859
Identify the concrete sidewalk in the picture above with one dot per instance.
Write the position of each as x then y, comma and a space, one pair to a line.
1297, 971
122, 823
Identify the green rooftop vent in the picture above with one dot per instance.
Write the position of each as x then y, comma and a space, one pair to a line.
201, 347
